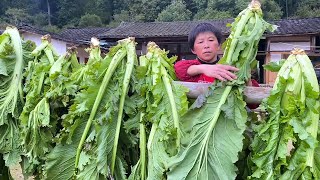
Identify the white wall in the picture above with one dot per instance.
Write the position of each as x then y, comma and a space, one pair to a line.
275, 57
279, 50
59, 46
277, 47
288, 46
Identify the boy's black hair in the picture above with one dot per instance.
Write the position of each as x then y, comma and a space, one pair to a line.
201, 28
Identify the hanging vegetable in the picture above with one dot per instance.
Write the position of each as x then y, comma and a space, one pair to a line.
161, 105
47, 96
285, 145
214, 132
13, 59
89, 146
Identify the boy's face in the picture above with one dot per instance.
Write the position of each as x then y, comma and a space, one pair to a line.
206, 47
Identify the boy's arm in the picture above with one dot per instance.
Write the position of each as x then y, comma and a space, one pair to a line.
218, 71
192, 70
181, 69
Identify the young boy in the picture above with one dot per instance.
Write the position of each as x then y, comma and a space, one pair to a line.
204, 41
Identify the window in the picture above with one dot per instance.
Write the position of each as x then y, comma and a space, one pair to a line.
317, 49
262, 45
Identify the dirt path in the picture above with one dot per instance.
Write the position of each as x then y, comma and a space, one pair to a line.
16, 172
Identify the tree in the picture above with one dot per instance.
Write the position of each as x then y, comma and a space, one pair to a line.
222, 9
177, 11
90, 20
308, 8
289, 7
140, 11
69, 11
221, 5
53, 29
40, 19
16, 16
101, 8
200, 5
191, 5
49, 12
152, 8
215, 9
271, 10
49, 9
210, 13
3, 7
128, 11
125, 16
119, 5
64, 13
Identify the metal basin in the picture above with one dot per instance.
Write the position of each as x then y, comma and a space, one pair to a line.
251, 94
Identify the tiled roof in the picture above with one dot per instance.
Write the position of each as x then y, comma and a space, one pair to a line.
31, 29
83, 34
160, 29
74, 35
182, 28
297, 26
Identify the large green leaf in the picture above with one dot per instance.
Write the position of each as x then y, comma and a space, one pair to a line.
37, 136
13, 58
316, 166
60, 161
10, 142
11, 74
210, 150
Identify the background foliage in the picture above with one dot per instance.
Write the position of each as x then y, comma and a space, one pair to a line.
57, 14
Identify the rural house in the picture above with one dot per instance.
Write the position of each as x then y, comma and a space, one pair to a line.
82, 37
173, 36
300, 33
79, 37
34, 34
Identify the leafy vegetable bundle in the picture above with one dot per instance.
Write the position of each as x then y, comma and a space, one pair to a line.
112, 117
89, 146
286, 145
73, 117
13, 59
46, 97
35, 117
160, 104
213, 133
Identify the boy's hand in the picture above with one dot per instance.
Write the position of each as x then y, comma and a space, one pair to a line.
218, 71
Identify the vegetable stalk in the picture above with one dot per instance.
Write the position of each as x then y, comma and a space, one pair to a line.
174, 110
121, 53
143, 150
131, 58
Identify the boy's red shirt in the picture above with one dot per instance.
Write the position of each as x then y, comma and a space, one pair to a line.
181, 68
